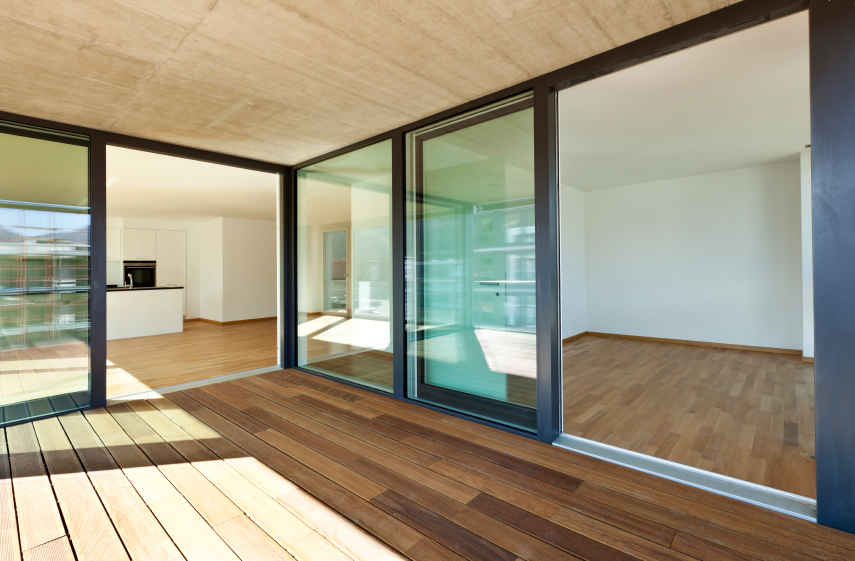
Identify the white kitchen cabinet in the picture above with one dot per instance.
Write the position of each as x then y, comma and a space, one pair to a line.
139, 245
172, 260
114, 244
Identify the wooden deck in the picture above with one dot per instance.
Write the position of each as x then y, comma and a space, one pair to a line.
289, 465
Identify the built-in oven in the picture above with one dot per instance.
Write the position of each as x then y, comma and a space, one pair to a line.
140, 274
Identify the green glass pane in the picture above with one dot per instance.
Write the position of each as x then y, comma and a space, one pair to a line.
471, 306
344, 266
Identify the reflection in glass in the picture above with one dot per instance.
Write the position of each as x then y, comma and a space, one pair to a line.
343, 266
471, 305
44, 272
335, 271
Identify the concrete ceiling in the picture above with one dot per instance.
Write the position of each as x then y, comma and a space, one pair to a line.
285, 80
739, 101
145, 185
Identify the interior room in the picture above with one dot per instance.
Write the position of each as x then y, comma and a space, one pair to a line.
344, 297
192, 270
686, 265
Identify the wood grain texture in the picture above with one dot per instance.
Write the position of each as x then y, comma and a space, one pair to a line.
313, 478
57, 550
89, 526
141, 533
39, 521
10, 547
744, 414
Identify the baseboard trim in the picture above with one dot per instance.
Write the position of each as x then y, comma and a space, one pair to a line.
781, 501
154, 394
575, 337
774, 350
215, 322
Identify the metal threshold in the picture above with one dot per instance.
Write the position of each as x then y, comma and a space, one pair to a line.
153, 394
781, 501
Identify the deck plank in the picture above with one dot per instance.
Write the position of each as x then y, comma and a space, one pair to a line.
39, 520
56, 550
387, 528
10, 547
451, 506
89, 527
141, 533
323, 519
290, 466
194, 537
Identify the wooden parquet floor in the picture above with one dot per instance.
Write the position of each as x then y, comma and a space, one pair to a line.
204, 350
287, 464
745, 414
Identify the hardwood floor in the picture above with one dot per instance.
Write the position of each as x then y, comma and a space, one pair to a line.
288, 464
202, 351
748, 415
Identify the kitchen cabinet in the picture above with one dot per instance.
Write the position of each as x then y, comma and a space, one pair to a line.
114, 244
114, 256
139, 245
172, 260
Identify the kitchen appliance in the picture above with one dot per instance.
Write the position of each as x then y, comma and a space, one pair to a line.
140, 274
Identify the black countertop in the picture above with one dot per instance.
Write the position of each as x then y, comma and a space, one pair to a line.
136, 289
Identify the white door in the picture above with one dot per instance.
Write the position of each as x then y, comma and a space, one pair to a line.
172, 260
139, 245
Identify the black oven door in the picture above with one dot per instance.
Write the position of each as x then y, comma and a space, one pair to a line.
140, 275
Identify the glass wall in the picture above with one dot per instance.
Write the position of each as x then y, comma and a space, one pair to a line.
343, 266
470, 264
44, 272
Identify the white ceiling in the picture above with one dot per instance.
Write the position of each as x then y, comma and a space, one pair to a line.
735, 102
154, 186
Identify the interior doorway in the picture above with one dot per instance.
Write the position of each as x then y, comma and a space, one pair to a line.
686, 266
192, 269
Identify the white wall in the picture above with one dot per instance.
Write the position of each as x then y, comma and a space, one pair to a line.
807, 255
713, 257
249, 269
211, 269
574, 312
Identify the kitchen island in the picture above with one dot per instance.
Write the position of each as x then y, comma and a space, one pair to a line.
139, 312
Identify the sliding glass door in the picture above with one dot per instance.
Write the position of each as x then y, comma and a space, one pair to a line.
44, 272
471, 306
344, 209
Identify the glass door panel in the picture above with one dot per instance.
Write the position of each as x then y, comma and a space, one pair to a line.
335, 272
470, 264
44, 272
344, 255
